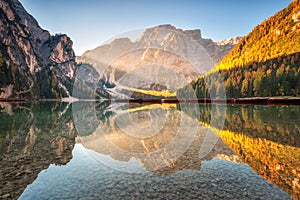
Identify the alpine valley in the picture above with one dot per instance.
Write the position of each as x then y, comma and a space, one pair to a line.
37, 65
162, 61
119, 121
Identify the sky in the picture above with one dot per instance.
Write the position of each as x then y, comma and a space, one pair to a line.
90, 23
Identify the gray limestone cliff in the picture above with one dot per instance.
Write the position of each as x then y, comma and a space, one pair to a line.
163, 56
34, 64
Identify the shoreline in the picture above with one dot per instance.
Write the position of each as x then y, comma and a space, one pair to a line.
252, 100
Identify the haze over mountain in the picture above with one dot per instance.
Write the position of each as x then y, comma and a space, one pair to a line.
162, 55
165, 37
162, 60
36, 65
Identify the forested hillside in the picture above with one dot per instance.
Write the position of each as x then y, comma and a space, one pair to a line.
277, 36
264, 63
275, 77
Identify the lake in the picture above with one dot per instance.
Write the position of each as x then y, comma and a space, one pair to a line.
102, 150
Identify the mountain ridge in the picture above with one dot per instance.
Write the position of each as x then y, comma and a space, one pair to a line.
268, 40
34, 64
265, 63
224, 45
172, 50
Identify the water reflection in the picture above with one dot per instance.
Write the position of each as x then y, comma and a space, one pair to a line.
85, 178
265, 137
32, 137
170, 151
161, 138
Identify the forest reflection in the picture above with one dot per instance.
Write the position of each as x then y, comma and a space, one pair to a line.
264, 137
267, 138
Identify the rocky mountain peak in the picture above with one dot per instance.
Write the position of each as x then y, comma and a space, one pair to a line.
230, 41
121, 41
196, 32
159, 55
162, 30
28, 52
15, 12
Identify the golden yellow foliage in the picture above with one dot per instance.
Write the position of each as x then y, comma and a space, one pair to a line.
163, 93
279, 164
277, 36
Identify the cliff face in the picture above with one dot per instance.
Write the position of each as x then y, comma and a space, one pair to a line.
34, 64
172, 38
165, 37
162, 55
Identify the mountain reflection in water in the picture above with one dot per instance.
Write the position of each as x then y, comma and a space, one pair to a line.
162, 139
137, 145
33, 136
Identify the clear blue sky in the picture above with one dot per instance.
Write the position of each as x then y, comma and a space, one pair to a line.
89, 23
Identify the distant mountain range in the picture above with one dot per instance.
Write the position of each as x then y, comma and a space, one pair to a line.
165, 37
36, 65
162, 58
162, 61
